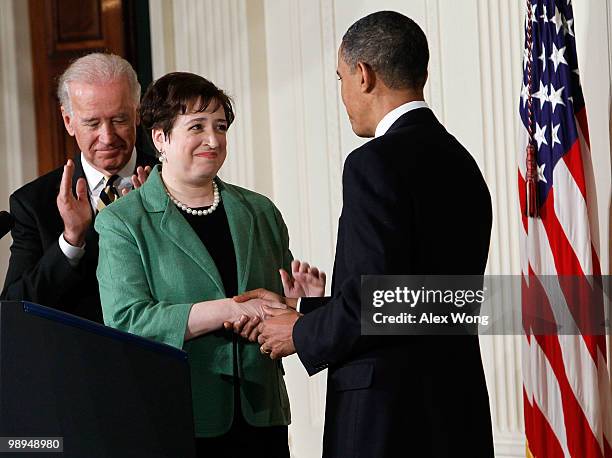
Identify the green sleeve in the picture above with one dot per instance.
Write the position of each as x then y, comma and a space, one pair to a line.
287, 256
127, 302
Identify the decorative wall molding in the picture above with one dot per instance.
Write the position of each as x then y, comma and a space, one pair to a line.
10, 105
162, 36
509, 445
500, 51
19, 145
210, 38
333, 110
474, 83
434, 89
18, 140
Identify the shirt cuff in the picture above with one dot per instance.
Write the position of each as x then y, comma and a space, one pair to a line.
299, 303
72, 253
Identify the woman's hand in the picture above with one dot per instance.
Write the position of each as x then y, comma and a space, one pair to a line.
251, 313
304, 281
253, 308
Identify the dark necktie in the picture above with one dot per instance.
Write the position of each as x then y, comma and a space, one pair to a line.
109, 194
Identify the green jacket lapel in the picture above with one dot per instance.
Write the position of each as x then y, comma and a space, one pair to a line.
176, 227
240, 221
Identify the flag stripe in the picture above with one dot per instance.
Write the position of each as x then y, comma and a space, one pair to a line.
591, 197
547, 397
606, 396
544, 434
522, 185
580, 438
566, 376
565, 260
573, 161
585, 347
563, 352
571, 211
556, 252
583, 124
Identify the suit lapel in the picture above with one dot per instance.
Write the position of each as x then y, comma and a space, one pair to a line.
240, 221
175, 227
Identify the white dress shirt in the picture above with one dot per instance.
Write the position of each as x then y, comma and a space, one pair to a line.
95, 185
388, 120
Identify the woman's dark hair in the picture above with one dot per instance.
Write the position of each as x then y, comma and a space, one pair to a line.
175, 93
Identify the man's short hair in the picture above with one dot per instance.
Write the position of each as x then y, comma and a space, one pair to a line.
97, 68
393, 45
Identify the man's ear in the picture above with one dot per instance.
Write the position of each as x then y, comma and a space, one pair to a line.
368, 77
158, 137
67, 121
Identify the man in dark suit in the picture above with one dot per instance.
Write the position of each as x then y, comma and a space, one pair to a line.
54, 254
414, 203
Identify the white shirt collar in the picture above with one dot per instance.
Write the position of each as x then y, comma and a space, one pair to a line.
95, 178
388, 120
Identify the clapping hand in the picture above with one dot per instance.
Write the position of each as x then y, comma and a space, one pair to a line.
138, 179
75, 211
304, 281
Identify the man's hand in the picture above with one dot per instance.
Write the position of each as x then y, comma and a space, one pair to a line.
251, 313
254, 308
247, 326
276, 332
259, 293
75, 212
304, 281
138, 179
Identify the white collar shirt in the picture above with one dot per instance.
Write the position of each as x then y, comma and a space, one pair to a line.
95, 178
387, 121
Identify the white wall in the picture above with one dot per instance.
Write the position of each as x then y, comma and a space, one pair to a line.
18, 138
277, 58
299, 132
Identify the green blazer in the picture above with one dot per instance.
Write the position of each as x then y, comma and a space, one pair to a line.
153, 267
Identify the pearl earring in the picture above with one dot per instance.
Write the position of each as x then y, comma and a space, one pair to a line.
162, 156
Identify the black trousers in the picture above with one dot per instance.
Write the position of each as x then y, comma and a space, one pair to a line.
244, 440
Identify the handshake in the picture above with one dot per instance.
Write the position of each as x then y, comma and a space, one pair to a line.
268, 318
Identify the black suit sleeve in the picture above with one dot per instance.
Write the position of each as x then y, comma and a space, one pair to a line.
35, 274
372, 226
308, 304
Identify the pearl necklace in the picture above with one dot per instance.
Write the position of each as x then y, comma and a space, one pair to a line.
191, 211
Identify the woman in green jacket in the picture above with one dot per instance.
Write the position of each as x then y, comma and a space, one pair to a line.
174, 252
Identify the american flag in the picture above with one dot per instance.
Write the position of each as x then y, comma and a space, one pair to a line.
566, 386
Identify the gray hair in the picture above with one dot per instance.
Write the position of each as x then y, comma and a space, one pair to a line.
392, 44
97, 68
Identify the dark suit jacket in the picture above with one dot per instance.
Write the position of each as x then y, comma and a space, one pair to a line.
414, 202
38, 269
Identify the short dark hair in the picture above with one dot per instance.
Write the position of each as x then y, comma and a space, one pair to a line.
173, 94
393, 45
